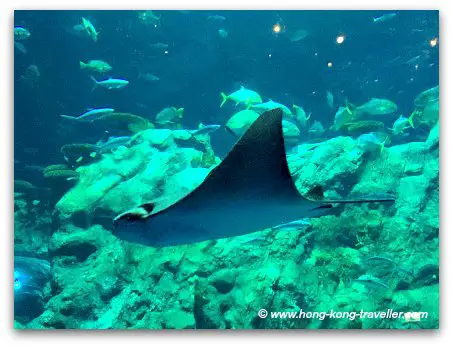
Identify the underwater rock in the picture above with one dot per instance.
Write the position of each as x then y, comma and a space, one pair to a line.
330, 164
119, 181
223, 283
64, 174
361, 127
223, 280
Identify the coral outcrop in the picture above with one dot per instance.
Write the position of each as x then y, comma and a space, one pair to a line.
370, 257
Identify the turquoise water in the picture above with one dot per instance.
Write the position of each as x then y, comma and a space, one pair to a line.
120, 109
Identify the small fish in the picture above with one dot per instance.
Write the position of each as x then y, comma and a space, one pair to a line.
96, 66
378, 107
21, 33
91, 115
205, 129
223, 33
413, 60
344, 115
169, 115
148, 77
216, 18
36, 202
297, 224
111, 143
31, 75
90, 29
370, 142
158, 45
401, 124
290, 129
270, 105
37, 168
329, 98
243, 95
386, 260
427, 97
298, 35
256, 241
384, 17
150, 18
301, 116
20, 47
241, 121
111, 83
79, 30
371, 281
316, 128
31, 150
32, 71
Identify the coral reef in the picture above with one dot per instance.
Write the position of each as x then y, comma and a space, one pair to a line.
370, 257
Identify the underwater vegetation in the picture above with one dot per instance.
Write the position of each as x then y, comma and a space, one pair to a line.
365, 169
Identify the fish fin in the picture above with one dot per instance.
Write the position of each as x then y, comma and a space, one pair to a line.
82, 64
350, 107
229, 130
95, 83
224, 99
411, 119
68, 117
382, 145
105, 137
309, 116
179, 112
93, 154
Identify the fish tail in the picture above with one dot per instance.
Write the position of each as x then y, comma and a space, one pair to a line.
95, 83
82, 65
224, 99
361, 200
68, 117
382, 145
411, 119
349, 107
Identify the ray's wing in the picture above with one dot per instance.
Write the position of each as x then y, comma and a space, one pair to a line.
255, 168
